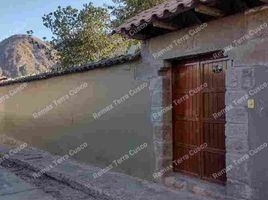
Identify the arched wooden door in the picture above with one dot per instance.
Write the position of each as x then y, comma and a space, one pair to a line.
199, 119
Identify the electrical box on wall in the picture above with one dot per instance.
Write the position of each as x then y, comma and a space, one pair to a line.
251, 103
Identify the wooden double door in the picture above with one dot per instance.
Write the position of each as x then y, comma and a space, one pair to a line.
199, 118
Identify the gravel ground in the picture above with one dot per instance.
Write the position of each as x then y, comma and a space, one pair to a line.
56, 189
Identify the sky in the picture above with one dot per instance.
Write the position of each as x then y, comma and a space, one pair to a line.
19, 16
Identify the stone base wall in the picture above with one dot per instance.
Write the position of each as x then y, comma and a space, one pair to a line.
162, 120
238, 81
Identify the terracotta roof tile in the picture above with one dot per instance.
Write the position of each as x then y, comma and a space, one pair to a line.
158, 12
91, 66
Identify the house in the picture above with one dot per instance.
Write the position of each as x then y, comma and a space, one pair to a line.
210, 112
189, 111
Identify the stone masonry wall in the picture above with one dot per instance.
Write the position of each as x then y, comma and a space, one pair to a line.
162, 124
239, 79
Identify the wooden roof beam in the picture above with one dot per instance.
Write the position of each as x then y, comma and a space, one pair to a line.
214, 12
210, 2
164, 25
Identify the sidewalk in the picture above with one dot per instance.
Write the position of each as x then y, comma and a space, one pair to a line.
14, 188
110, 186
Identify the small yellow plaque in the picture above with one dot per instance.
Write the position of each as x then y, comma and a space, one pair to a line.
251, 103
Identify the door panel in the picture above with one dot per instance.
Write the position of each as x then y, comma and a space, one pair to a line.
213, 102
213, 163
188, 107
213, 98
187, 164
193, 120
214, 135
187, 133
186, 116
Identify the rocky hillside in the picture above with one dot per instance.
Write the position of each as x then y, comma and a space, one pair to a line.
21, 55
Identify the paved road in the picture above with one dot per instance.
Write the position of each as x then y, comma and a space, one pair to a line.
14, 188
74, 181
71, 180
16, 182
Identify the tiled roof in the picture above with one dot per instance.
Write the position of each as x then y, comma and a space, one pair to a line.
160, 11
165, 10
91, 66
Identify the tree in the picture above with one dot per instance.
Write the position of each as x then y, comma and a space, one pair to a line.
124, 9
82, 36
50, 52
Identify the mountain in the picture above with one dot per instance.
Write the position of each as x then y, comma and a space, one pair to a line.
22, 55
